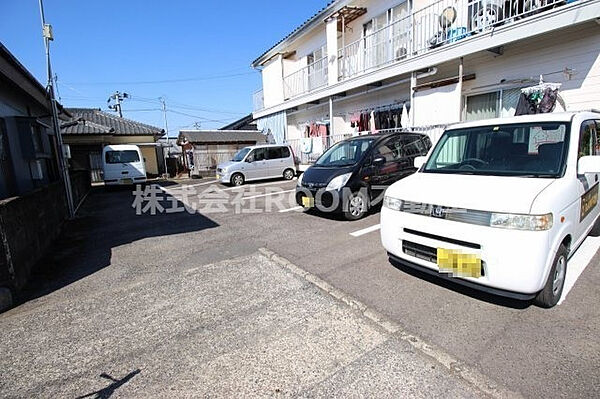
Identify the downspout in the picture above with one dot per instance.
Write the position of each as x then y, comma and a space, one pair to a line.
460, 88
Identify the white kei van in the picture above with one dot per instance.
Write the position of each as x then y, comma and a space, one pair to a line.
123, 164
500, 205
258, 162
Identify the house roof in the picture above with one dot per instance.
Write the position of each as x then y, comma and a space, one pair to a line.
316, 18
92, 121
245, 123
19, 76
222, 136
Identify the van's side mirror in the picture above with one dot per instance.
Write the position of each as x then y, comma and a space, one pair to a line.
419, 161
378, 161
249, 159
588, 164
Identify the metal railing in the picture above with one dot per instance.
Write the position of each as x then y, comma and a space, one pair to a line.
309, 149
433, 26
307, 79
258, 100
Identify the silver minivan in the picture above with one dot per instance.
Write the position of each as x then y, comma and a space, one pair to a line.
258, 162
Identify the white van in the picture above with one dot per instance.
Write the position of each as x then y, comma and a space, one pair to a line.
500, 205
123, 164
258, 162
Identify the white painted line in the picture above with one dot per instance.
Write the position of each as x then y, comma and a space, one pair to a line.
366, 231
200, 184
578, 262
258, 185
290, 209
268, 194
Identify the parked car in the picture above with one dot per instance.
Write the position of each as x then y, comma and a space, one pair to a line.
123, 164
351, 176
500, 205
258, 162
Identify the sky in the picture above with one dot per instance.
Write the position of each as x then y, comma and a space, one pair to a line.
194, 54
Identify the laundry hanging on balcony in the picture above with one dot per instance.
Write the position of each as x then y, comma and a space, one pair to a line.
538, 99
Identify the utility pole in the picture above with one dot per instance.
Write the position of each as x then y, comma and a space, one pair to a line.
64, 167
164, 110
118, 97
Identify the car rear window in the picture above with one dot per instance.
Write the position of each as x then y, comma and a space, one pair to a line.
126, 156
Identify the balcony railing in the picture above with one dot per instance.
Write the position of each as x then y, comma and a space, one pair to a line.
258, 100
307, 79
440, 23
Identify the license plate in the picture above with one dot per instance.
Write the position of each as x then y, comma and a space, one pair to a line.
218, 177
126, 181
308, 202
458, 264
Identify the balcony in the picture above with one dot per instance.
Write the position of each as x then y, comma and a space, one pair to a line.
433, 26
305, 80
258, 100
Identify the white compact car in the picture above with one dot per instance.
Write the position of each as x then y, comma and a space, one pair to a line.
500, 204
123, 164
256, 163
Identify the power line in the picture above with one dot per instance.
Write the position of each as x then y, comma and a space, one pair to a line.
183, 80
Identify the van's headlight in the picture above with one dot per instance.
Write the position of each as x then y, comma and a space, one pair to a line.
392, 203
338, 182
299, 182
522, 222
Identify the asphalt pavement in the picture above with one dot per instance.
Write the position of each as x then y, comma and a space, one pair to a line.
123, 293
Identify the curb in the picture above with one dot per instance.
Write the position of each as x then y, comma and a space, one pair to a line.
456, 367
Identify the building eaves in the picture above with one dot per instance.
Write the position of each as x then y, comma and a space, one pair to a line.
303, 28
95, 121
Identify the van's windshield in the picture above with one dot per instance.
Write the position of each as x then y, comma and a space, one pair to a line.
239, 157
526, 149
345, 153
126, 156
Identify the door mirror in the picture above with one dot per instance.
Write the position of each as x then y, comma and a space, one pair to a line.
588, 164
419, 161
250, 159
378, 161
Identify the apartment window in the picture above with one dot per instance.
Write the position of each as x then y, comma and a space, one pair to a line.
383, 45
316, 55
497, 104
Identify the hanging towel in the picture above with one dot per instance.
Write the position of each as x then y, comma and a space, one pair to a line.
372, 122
548, 101
525, 106
404, 120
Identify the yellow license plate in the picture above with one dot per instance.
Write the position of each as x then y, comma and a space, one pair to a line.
218, 177
126, 181
458, 264
308, 202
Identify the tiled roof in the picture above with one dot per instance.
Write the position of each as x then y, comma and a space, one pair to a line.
245, 123
94, 121
316, 16
222, 136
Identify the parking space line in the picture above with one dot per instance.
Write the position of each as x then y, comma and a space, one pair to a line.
578, 262
268, 194
290, 209
200, 184
366, 231
258, 185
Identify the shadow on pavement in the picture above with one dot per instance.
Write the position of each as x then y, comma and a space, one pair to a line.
106, 220
109, 390
463, 290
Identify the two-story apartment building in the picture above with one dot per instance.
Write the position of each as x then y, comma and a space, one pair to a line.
372, 65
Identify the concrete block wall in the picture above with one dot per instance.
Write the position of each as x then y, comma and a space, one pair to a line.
29, 224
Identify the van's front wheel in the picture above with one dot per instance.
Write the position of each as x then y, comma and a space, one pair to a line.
356, 206
237, 179
550, 295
